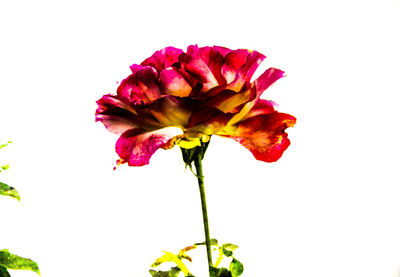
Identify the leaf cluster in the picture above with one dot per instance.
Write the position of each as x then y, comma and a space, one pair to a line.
225, 251
7, 259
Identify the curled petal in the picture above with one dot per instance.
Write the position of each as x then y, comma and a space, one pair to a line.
264, 135
136, 146
270, 76
240, 65
173, 83
163, 58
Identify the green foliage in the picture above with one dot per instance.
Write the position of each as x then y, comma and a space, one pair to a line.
11, 261
4, 272
220, 272
225, 251
177, 259
3, 145
9, 191
8, 260
212, 242
236, 268
174, 272
4, 167
228, 248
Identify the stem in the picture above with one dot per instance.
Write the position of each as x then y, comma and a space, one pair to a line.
200, 179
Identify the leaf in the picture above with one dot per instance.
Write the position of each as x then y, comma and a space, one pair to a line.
170, 257
3, 145
236, 268
212, 242
174, 272
4, 272
4, 167
220, 272
11, 261
9, 191
182, 253
228, 249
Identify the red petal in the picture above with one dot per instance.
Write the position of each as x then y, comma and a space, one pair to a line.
264, 135
262, 106
163, 58
136, 146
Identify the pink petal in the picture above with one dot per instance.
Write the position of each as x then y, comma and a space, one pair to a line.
173, 83
193, 63
266, 79
214, 59
241, 62
118, 115
163, 58
140, 87
136, 146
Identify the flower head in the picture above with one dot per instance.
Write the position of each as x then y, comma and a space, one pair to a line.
177, 98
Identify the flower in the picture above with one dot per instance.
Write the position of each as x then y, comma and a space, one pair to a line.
177, 98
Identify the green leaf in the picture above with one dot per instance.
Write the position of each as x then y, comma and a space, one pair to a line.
170, 257
220, 272
3, 145
9, 191
182, 253
212, 242
228, 249
236, 268
4, 167
11, 261
4, 272
174, 272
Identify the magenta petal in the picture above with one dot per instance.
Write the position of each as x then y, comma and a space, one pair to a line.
243, 62
136, 146
140, 87
253, 60
173, 83
266, 79
194, 64
163, 58
213, 57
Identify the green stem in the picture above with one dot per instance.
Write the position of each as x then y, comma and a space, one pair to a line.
200, 179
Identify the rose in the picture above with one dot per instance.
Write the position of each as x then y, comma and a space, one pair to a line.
177, 98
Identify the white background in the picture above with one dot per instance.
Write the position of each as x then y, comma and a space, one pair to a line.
330, 207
